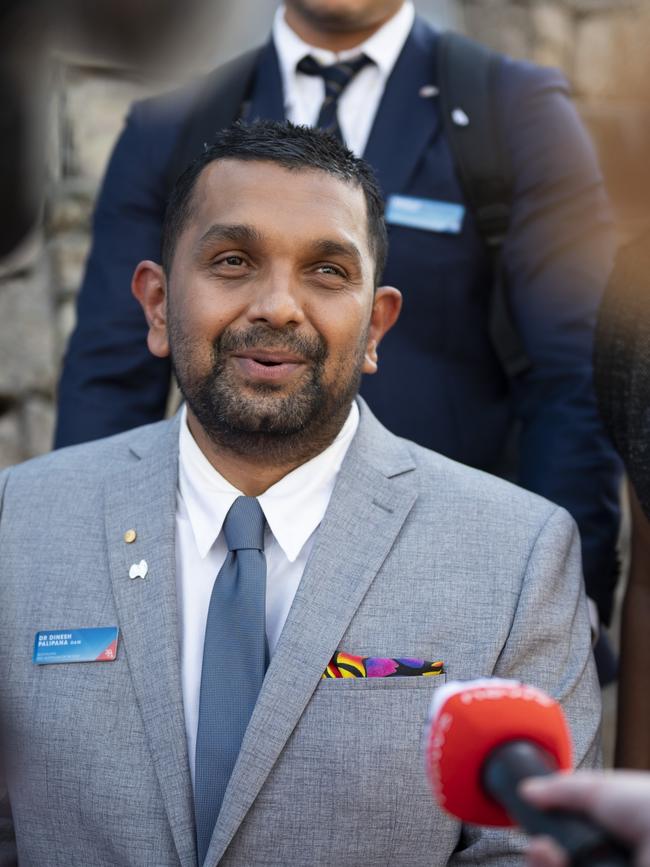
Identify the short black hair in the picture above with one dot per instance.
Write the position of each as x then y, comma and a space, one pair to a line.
292, 147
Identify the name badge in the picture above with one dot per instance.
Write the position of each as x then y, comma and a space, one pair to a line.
76, 645
428, 214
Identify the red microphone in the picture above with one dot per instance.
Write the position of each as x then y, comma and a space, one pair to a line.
467, 721
484, 737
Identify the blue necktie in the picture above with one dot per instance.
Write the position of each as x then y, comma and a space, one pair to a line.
234, 662
336, 78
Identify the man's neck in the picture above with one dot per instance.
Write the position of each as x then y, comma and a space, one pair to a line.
321, 36
253, 474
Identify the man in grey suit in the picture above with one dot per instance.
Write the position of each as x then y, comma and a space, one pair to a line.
271, 715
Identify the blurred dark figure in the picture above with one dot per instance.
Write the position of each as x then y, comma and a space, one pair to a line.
132, 32
21, 154
622, 375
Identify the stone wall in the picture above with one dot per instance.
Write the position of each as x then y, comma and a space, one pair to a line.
39, 285
600, 44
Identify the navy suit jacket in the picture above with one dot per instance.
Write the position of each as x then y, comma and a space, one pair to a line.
439, 382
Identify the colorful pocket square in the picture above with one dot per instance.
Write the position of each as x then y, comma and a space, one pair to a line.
346, 665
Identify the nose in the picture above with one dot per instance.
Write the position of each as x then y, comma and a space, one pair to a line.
276, 301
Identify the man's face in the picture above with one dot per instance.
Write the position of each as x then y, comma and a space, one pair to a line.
344, 16
270, 309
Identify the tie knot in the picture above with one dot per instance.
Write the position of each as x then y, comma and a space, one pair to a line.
244, 525
338, 75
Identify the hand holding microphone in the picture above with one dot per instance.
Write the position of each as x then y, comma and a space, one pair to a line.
483, 739
617, 800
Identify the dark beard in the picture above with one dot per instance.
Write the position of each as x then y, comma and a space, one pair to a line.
276, 430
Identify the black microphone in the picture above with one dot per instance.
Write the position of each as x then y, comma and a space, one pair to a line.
586, 844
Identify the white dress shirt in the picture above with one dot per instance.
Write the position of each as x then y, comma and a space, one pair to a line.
293, 508
303, 94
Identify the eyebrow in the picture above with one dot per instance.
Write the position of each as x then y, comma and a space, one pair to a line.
327, 248
237, 233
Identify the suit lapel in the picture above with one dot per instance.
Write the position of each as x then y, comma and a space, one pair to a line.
366, 511
143, 499
406, 121
267, 99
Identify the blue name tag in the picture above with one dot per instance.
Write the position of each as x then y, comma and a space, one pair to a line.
427, 214
76, 645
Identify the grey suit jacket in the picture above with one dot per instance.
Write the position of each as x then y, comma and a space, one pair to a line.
416, 556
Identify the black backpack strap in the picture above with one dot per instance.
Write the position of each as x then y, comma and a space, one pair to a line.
221, 99
466, 73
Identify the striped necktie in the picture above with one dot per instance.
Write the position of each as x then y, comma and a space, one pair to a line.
336, 78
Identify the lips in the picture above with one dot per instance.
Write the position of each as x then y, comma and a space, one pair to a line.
271, 356
264, 365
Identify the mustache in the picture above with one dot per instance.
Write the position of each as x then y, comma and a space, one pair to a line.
262, 337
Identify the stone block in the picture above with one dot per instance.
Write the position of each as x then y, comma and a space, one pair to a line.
500, 25
68, 253
552, 26
69, 206
612, 59
11, 450
585, 7
621, 132
94, 110
26, 335
38, 425
66, 319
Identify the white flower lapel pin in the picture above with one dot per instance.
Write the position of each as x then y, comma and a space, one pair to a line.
138, 570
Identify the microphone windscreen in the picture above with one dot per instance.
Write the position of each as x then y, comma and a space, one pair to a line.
467, 720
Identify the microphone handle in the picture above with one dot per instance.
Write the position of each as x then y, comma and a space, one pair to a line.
585, 842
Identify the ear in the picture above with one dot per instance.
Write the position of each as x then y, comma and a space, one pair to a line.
149, 286
385, 311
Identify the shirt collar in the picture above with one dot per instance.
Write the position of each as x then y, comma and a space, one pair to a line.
293, 507
383, 47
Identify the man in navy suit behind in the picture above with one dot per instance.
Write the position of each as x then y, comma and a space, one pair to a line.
441, 382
